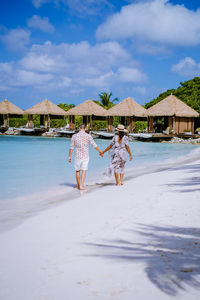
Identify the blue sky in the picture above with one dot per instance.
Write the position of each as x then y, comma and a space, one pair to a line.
71, 50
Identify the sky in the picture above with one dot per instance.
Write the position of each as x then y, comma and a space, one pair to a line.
69, 51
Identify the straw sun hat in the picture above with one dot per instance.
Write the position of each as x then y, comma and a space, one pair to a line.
120, 127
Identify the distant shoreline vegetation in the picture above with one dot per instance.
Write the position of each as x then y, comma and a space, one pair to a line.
188, 92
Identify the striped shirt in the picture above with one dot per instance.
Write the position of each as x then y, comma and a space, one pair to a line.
80, 141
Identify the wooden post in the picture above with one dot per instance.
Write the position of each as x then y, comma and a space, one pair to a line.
72, 122
170, 124
89, 123
110, 124
88, 120
130, 124
30, 121
123, 120
192, 125
67, 120
1, 120
176, 125
5, 121
47, 121
173, 125
148, 129
85, 120
41, 120
151, 124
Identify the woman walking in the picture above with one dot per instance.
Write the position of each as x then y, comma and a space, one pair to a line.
120, 146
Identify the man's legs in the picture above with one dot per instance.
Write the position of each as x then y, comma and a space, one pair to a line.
83, 175
78, 179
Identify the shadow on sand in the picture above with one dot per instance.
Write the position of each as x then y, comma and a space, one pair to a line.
190, 184
171, 255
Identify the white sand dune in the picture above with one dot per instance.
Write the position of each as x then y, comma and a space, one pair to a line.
137, 241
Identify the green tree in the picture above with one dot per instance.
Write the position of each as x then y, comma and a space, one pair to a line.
66, 106
188, 92
105, 100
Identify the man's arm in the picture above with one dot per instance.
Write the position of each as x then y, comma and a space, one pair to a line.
97, 148
94, 145
70, 154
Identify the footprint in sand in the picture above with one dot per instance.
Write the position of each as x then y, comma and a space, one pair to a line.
84, 282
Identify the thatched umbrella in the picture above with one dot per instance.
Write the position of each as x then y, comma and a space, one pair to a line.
179, 115
127, 108
89, 110
9, 110
47, 110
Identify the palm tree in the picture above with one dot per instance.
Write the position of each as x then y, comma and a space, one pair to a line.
105, 100
66, 106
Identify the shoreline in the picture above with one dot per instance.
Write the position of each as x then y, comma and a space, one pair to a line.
15, 211
140, 240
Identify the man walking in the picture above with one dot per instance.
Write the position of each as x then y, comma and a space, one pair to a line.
80, 141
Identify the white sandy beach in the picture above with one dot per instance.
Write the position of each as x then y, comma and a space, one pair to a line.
137, 241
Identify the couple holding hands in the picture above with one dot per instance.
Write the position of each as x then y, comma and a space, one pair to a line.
118, 148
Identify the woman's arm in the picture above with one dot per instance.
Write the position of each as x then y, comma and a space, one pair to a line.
129, 151
108, 148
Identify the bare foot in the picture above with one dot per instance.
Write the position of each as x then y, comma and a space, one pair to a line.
82, 188
121, 183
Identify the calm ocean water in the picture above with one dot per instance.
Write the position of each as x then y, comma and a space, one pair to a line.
34, 164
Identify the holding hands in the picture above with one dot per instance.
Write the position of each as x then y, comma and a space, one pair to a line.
101, 154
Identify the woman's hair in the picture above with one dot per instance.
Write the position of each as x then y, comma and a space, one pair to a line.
121, 134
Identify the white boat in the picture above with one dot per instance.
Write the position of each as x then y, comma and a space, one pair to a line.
102, 134
141, 135
65, 131
26, 129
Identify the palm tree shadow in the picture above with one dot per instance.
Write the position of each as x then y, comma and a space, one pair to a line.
171, 255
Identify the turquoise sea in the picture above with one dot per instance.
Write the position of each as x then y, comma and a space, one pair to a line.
35, 164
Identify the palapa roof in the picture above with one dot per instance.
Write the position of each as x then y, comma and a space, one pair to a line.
6, 107
87, 108
46, 107
172, 106
127, 108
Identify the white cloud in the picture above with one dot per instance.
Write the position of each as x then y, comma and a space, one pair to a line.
153, 49
140, 89
80, 7
13, 76
16, 40
187, 67
43, 24
134, 75
72, 66
156, 21
87, 7
39, 3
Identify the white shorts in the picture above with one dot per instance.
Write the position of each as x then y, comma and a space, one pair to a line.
81, 164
